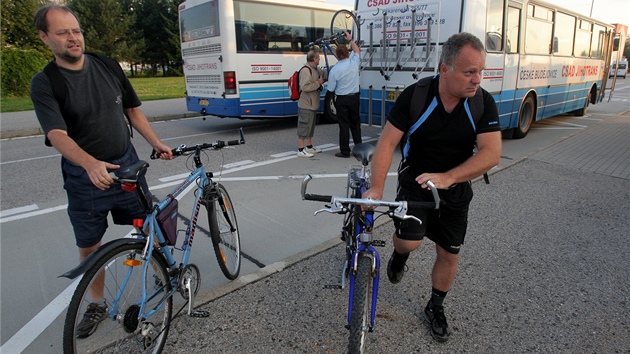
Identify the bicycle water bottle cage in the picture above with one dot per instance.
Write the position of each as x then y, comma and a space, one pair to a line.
363, 152
129, 174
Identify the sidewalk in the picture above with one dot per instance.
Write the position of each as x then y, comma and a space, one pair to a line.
18, 124
544, 269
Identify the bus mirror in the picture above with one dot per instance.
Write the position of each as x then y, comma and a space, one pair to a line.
555, 44
615, 44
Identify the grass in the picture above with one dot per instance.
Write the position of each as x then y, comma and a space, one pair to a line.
147, 88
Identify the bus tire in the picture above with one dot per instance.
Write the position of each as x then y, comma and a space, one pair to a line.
582, 111
525, 117
330, 112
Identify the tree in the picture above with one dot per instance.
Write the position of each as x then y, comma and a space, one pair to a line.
626, 49
17, 24
106, 27
158, 20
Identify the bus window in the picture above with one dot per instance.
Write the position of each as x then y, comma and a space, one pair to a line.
597, 45
494, 26
200, 22
513, 29
583, 39
538, 31
564, 31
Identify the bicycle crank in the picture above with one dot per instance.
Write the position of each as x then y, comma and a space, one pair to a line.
189, 279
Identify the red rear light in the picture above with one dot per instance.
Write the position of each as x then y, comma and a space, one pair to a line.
128, 187
138, 223
229, 82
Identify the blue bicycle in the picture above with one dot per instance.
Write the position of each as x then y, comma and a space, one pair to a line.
362, 262
124, 302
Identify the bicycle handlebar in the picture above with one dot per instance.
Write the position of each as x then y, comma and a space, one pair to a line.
340, 202
219, 144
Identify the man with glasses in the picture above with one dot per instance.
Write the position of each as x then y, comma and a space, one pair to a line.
88, 128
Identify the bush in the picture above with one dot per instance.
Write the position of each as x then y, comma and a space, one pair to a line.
17, 68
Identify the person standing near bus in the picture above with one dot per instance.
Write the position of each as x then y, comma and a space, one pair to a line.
91, 134
311, 84
344, 82
440, 149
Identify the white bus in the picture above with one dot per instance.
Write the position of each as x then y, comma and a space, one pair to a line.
541, 60
239, 54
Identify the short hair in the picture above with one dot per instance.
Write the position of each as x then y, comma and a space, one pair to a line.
454, 45
342, 51
41, 24
312, 55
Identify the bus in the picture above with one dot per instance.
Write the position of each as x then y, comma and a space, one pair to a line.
541, 60
619, 71
239, 54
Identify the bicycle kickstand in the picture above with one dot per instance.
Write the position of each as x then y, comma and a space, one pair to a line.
191, 301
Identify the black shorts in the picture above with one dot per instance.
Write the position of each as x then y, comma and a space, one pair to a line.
89, 206
446, 226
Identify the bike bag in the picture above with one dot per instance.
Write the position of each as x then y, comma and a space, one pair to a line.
167, 220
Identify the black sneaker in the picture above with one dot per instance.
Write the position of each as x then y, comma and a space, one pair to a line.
94, 314
434, 315
394, 277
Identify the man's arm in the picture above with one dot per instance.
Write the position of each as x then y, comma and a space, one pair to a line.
382, 160
141, 124
487, 156
353, 44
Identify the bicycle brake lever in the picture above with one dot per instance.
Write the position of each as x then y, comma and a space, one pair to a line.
401, 213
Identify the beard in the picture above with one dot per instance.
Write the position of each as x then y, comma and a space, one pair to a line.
67, 56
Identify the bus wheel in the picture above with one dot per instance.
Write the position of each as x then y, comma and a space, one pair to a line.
580, 112
330, 112
525, 118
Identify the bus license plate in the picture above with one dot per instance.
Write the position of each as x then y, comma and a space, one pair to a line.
204, 102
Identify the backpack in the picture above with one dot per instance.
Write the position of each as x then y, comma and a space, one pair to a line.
294, 84
474, 109
60, 91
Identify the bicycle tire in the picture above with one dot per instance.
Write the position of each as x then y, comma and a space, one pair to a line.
224, 232
345, 20
121, 331
360, 316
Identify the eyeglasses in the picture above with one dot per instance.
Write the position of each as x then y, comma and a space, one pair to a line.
66, 33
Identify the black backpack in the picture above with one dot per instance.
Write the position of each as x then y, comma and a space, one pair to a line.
60, 90
474, 106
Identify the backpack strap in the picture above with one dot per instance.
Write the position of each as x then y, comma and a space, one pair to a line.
298, 76
60, 89
473, 106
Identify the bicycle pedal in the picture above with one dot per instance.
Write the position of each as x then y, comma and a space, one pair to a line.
200, 314
332, 287
378, 243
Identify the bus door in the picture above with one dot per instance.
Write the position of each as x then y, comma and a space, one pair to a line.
511, 67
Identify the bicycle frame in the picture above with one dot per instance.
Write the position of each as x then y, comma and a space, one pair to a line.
153, 233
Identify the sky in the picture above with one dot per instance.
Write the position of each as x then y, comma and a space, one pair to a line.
609, 11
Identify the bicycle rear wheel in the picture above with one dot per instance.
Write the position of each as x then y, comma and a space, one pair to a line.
360, 316
344, 20
119, 329
224, 231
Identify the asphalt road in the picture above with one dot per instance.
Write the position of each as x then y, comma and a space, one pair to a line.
284, 307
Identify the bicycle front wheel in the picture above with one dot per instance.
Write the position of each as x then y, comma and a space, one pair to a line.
224, 232
344, 20
103, 315
360, 315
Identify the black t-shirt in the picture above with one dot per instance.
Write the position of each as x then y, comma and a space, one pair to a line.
95, 96
444, 140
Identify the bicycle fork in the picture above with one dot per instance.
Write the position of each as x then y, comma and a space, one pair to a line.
375, 276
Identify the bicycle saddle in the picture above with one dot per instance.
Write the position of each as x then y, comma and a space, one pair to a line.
130, 173
363, 152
